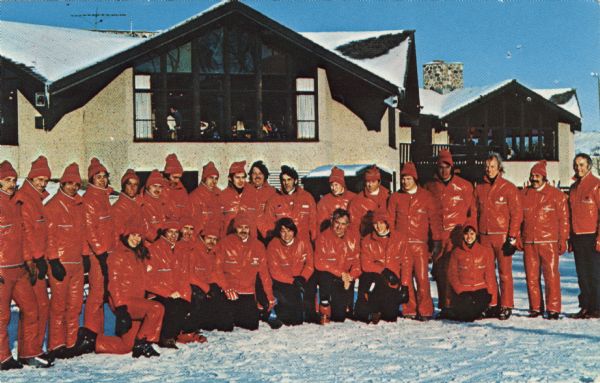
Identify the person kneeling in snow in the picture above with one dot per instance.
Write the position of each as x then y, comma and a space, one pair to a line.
291, 265
386, 273
138, 320
471, 275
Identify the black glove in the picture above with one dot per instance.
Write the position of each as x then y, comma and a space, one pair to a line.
299, 282
436, 249
509, 249
86, 263
391, 278
58, 270
123, 320
31, 272
197, 294
103, 265
1, 280
403, 294
214, 291
42, 267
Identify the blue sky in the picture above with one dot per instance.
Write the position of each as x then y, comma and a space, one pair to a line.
552, 44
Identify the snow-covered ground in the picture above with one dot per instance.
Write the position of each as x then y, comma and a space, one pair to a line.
588, 142
518, 350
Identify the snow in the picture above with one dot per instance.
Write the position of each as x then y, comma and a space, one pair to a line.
517, 350
572, 105
390, 66
349, 170
587, 142
55, 52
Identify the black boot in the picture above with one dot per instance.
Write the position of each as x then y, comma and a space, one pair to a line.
86, 342
552, 315
10, 364
534, 314
61, 352
505, 313
36, 361
168, 343
142, 347
582, 314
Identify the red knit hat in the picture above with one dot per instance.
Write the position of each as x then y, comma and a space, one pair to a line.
155, 178
71, 174
380, 215
209, 170
171, 223
373, 174
129, 175
337, 175
95, 168
237, 167
186, 220
539, 168
39, 168
409, 169
243, 218
7, 170
212, 228
445, 156
172, 165
134, 225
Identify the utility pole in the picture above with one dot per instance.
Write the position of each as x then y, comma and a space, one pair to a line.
597, 75
97, 17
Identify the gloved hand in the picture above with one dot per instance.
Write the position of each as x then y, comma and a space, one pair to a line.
86, 263
562, 247
31, 272
197, 294
598, 246
58, 270
214, 291
102, 258
123, 320
403, 294
391, 278
509, 246
42, 267
1, 280
299, 282
436, 249
231, 294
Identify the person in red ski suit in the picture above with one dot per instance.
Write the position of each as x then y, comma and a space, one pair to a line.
339, 198
205, 199
129, 204
238, 197
174, 194
154, 210
373, 197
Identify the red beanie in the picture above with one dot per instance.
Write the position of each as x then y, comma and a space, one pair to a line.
380, 215
155, 178
237, 167
186, 220
129, 175
337, 175
409, 169
7, 170
243, 218
171, 223
39, 168
209, 170
71, 174
172, 165
213, 229
373, 174
445, 156
539, 168
134, 225
95, 168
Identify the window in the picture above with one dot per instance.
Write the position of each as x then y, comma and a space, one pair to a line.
144, 115
8, 108
305, 108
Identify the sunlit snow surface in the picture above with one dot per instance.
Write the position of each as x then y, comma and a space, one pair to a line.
519, 350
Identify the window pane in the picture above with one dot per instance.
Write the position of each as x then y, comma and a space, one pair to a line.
243, 115
211, 116
143, 129
305, 107
272, 60
211, 52
306, 130
274, 116
143, 115
305, 84
150, 66
241, 45
142, 81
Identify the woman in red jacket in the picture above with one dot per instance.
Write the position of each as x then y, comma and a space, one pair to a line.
290, 262
472, 276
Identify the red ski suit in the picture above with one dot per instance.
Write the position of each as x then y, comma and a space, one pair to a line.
545, 232
584, 202
364, 203
16, 284
232, 203
338, 255
155, 214
66, 242
500, 215
177, 201
168, 270
263, 194
300, 206
124, 210
378, 253
329, 203
35, 236
128, 282
201, 264
205, 206
287, 261
414, 215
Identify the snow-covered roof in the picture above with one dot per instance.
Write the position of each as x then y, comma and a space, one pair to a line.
55, 52
349, 170
390, 65
441, 105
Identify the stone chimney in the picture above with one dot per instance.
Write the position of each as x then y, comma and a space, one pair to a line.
443, 77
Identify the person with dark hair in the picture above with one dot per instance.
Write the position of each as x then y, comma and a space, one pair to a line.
204, 200
584, 202
472, 276
15, 282
66, 239
415, 213
30, 198
138, 320
99, 228
238, 197
455, 196
339, 198
337, 265
386, 273
174, 194
290, 261
545, 232
153, 207
373, 197
259, 174
500, 215
241, 260
129, 203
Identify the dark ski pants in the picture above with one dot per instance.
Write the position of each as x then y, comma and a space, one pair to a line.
587, 265
375, 296
333, 294
289, 307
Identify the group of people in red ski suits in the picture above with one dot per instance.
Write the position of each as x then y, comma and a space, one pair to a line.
170, 264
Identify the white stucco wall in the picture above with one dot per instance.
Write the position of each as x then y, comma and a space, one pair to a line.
517, 172
566, 152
